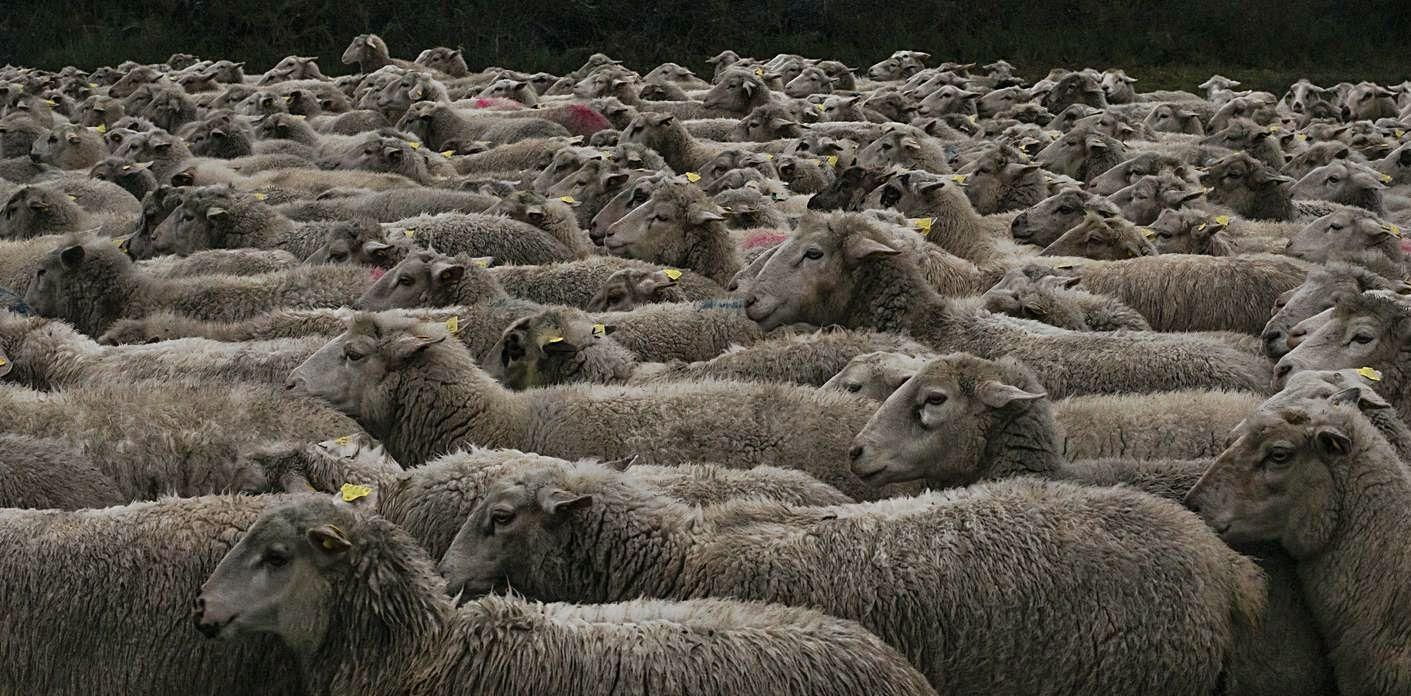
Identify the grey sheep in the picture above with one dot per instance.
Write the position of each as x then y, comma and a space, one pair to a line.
579, 283
1053, 300
169, 438
563, 346
508, 241
838, 269
91, 284
144, 559
552, 215
1352, 235
219, 262
1360, 331
1325, 286
630, 288
52, 475
45, 354
677, 226
388, 206
735, 423
1318, 480
424, 645
535, 519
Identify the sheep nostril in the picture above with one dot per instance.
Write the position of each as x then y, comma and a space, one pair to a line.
855, 453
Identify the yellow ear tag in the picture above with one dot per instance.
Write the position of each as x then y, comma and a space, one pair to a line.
551, 339
482, 262
414, 145
51, 102
1392, 230
1398, 133
832, 160
672, 273
101, 128
73, 198
759, 72
1275, 128
693, 177
1201, 227
923, 225
93, 85
121, 244
768, 157
958, 178
1222, 220
568, 199
1301, 137
298, 117
600, 330
447, 153
453, 325
342, 440
1386, 178
409, 233
1370, 373
260, 196
3, 363
1147, 232
971, 118
819, 107
352, 491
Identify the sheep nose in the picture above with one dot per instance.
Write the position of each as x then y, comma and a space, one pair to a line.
751, 300
1274, 343
1296, 337
855, 453
1281, 373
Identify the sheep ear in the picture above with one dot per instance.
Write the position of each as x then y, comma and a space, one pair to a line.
859, 248
556, 500
535, 213
376, 249
216, 213
295, 482
448, 273
998, 394
701, 216
329, 539
5, 364
1189, 197
404, 347
910, 144
72, 256
1332, 442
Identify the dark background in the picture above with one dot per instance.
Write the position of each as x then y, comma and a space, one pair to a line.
1264, 43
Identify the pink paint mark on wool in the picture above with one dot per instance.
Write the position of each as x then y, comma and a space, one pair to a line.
377, 273
585, 120
764, 239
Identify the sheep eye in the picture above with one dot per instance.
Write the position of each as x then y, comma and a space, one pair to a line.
502, 518
1362, 339
1065, 210
854, 388
935, 399
1335, 227
814, 254
352, 355
1278, 456
338, 257
405, 280
275, 558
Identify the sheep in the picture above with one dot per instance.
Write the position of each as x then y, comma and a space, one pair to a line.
44, 354
20, 259
1082, 153
630, 288
1318, 480
1179, 292
133, 177
665, 134
1361, 330
1174, 118
530, 153
691, 647
1192, 231
877, 374
748, 208
219, 262
1048, 219
50, 474
1351, 235
1344, 182
1102, 239
168, 438
562, 421
1053, 300
1397, 165
42, 210
561, 346
69, 147
677, 226
1001, 179
144, 559
1325, 286
1205, 607
579, 283
219, 217
907, 147
388, 206
837, 269
507, 240
91, 283
553, 216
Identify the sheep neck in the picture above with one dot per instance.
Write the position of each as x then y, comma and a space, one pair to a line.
1362, 622
52, 355
447, 402
891, 296
386, 611
1022, 441
958, 229
654, 569
1269, 203
708, 250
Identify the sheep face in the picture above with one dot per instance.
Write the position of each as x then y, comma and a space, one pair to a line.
875, 375
357, 242
1370, 330
357, 372
1069, 154
630, 288
221, 136
627, 200
152, 146
765, 123
1348, 233
658, 229
1235, 180
204, 221
68, 147
411, 283
1018, 296
1190, 231
1397, 165
948, 407
849, 189
538, 344
136, 179
1342, 182
948, 99
450, 61
737, 92
896, 147
1169, 119
33, 211
810, 80
1101, 239
812, 276
1145, 200
891, 104
1275, 480
566, 161
511, 534
1047, 220
273, 580
516, 90
293, 68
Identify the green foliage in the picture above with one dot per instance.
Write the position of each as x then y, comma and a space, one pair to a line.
1264, 43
